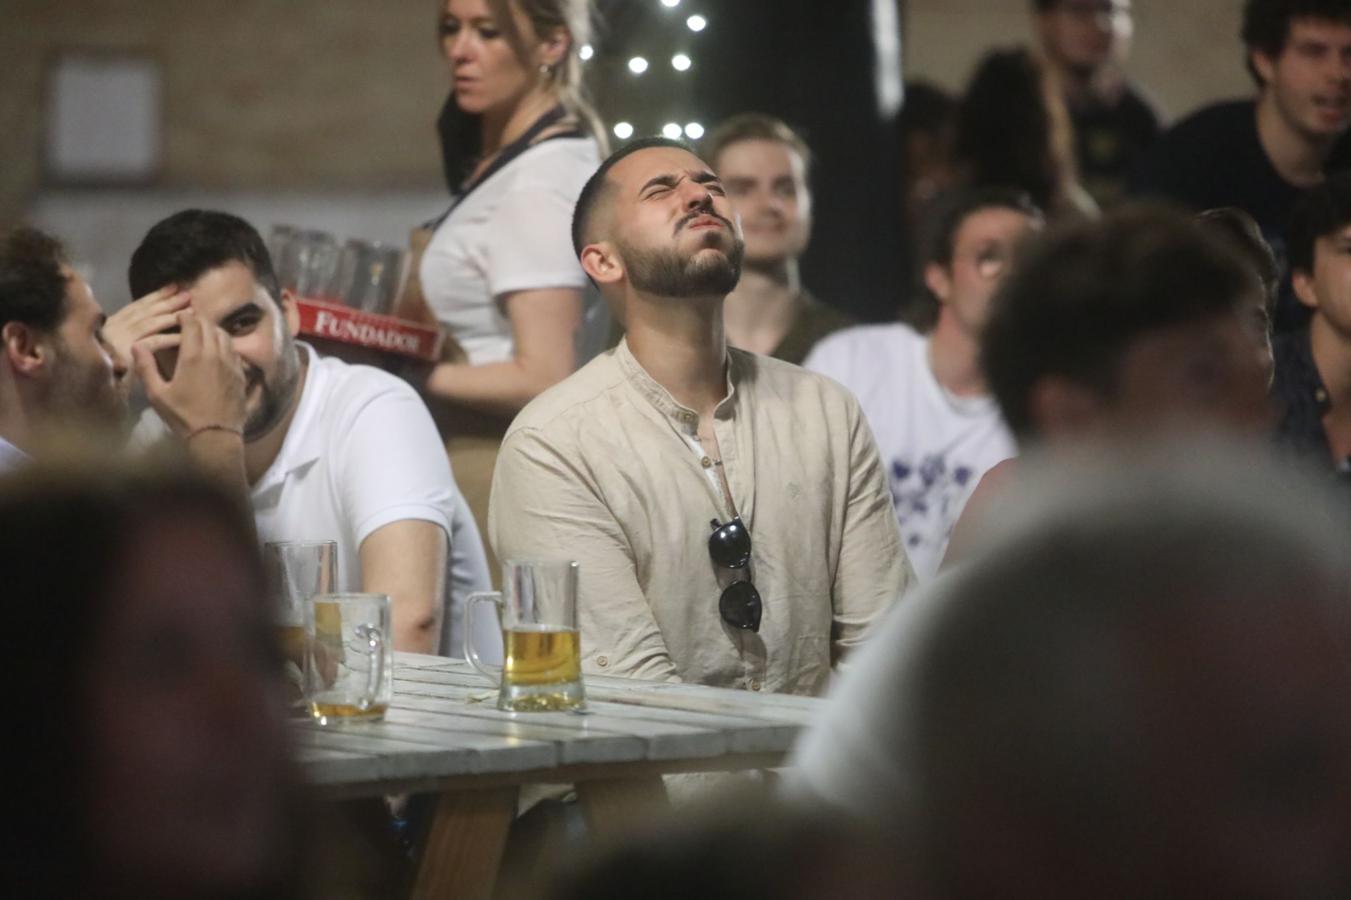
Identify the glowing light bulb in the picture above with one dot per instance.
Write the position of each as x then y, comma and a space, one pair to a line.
586, 52
671, 130
623, 130
637, 65
696, 23
670, 4
681, 63
694, 131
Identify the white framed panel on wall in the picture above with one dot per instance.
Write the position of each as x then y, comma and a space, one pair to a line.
103, 119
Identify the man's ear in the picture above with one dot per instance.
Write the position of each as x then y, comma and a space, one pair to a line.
937, 281
1060, 407
290, 311
1265, 66
24, 349
1302, 282
602, 263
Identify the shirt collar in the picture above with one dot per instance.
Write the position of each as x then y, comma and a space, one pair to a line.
304, 442
11, 456
660, 398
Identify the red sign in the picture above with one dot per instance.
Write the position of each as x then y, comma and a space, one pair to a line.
335, 322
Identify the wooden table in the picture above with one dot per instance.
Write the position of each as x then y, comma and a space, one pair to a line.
444, 734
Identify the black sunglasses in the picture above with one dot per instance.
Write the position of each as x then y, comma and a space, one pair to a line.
729, 546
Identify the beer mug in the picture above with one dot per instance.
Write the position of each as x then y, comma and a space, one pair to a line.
296, 571
542, 648
349, 673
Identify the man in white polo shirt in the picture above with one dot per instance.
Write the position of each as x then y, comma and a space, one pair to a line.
332, 451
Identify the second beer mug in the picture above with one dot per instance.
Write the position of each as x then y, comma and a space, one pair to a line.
537, 610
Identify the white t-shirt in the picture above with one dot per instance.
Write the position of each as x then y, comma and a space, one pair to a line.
511, 233
362, 452
935, 446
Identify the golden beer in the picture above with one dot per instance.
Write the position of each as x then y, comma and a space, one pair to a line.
291, 639
540, 657
334, 711
542, 654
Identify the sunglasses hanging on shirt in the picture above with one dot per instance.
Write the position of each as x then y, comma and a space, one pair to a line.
729, 546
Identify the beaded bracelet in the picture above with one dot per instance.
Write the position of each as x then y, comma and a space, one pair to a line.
226, 428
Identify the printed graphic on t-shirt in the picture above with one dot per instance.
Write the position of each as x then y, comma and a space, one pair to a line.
928, 495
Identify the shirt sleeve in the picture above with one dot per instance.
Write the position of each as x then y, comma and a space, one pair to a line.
393, 466
873, 570
529, 243
544, 505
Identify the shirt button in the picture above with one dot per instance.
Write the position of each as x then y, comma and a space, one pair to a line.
755, 685
707, 463
602, 661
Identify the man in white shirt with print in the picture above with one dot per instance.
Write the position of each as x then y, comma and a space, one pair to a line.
924, 394
331, 451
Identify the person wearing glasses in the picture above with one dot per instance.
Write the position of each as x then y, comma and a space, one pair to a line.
1085, 42
923, 391
729, 510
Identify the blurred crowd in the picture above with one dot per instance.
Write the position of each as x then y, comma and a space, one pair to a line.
1063, 545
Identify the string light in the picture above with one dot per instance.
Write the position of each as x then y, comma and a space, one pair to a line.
586, 52
696, 23
694, 131
637, 65
681, 63
670, 4
671, 130
623, 130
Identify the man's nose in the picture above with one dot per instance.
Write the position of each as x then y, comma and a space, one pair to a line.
697, 196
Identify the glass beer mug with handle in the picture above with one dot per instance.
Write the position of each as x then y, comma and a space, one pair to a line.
296, 571
542, 648
349, 676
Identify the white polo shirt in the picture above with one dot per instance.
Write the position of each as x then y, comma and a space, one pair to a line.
11, 457
362, 452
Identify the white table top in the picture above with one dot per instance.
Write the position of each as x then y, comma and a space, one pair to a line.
444, 728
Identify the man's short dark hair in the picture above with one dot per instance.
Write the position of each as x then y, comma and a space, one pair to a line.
754, 126
1080, 298
1322, 210
188, 244
1241, 232
1266, 23
32, 285
595, 185
937, 243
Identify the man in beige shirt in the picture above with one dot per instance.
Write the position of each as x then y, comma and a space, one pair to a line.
728, 510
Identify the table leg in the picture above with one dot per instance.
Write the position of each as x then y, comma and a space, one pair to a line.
465, 844
611, 804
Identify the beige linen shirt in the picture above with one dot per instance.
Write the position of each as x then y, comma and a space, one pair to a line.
599, 469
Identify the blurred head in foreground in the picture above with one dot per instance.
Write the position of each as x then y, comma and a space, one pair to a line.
1138, 689
741, 847
1141, 322
145, 703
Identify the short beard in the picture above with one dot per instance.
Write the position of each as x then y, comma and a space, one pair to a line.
665, 273
85, 394
276, 397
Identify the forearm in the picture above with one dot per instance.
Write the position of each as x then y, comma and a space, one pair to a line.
220, 454
497, 388
407, 561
